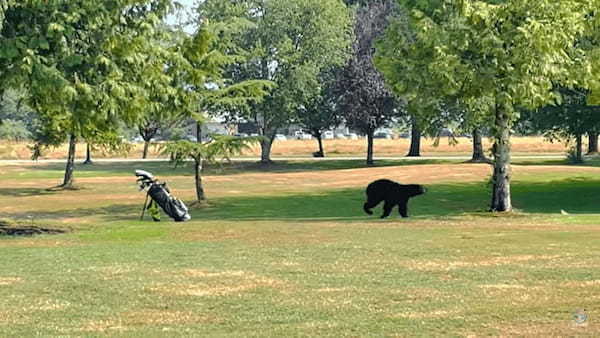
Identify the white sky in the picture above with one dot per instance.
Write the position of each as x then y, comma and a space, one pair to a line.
183, 16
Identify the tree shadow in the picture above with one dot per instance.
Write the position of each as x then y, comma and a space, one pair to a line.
115, 212
25, 192
162, 168
577, 195
574, 195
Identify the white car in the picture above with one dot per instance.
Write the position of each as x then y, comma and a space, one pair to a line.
352, 136
280, 137
302, 136
328, 135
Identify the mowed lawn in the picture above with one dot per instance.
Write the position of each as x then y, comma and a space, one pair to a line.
288, 251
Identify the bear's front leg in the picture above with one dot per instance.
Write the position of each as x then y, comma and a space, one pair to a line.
387, 209
403, 208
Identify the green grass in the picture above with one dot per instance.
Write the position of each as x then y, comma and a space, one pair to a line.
283, 260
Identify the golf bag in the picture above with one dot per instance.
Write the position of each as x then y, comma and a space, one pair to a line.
160, 194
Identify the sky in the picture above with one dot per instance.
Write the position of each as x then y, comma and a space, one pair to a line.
174, 19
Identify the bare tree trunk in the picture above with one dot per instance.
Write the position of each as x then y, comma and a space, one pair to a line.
198, 132
478, 153
501, 200
415, 140
370, 147
68, 179
88, 154
579, 148
265, 147
319, 153
146, 146
200, 196
592, 142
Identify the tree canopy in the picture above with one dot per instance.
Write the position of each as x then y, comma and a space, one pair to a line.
506, 54
288, 42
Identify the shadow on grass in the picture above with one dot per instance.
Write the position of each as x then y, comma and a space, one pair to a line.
25, 192
574, 195
115, 212
577, 196
55, 170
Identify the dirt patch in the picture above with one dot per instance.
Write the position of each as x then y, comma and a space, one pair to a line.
7, 229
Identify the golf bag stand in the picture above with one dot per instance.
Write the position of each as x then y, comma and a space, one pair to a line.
160, 194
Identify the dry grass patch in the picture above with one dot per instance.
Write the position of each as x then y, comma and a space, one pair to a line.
426, 315
564, 328
256, 233
10, 280
20, 150
440, 265
202, 283
113, 271
36, 243
166, 317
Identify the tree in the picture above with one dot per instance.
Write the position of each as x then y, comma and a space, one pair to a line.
72, 58
219, 148
288, 42
365, 101
13, 106
568, 121
14, 131
508, 53
320, 112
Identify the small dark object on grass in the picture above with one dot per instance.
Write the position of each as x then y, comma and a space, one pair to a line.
160, 194
16, 229
318, 154
393, 194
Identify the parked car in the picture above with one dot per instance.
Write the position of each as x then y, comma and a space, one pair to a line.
328, 135
382, 134
340, 136
352, 136
241, 135
280, 137
300, 135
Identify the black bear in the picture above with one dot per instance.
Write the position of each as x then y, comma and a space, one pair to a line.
393, 194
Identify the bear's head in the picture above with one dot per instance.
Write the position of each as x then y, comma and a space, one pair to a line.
415, 190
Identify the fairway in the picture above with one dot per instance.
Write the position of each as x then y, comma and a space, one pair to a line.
286, 250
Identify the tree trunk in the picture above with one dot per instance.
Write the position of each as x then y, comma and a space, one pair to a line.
501, 200
593, 142
265, 147
88, 154
579, 148
370, 147
199, 188
415, 140
198, 132
146, 146
68, 179
478, 153
319, 153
